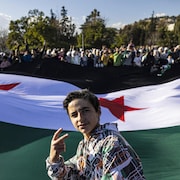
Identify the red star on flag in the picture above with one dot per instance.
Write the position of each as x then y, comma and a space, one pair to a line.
7, 87
117, 107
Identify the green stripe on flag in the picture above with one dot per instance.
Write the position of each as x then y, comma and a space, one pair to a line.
159, 151
23, 151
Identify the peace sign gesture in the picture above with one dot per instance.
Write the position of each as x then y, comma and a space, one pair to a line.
57, 145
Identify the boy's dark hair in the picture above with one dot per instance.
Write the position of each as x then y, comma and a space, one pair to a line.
82, 94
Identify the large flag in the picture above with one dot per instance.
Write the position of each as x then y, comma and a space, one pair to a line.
31, 110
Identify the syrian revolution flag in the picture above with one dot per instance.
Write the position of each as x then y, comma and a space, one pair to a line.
31, 110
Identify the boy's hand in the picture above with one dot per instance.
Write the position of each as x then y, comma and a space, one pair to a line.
57, 146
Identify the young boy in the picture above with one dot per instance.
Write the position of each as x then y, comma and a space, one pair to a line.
103, 154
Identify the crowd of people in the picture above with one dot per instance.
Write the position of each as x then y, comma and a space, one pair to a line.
118, 56
154, 57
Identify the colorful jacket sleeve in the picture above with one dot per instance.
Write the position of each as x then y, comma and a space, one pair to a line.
119, 160
62, 170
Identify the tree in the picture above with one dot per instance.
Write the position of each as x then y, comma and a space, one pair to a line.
125, 35
3, 39
35, 32
151, 31
66, 28
177, 29
16, 33
29, 30
94, 32
57, 32
109, 37
36, 28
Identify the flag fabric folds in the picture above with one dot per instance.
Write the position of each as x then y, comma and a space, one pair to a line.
31, 109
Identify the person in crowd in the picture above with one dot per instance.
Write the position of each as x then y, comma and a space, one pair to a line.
68, 57
75, 56
105, 57
165, 52
148, 60
170, 59
13, 57
97, 58
102, 153
117, 57
111, 57
138, 59
54, 53
129, 54
27, 56
90, 59
166, 65
62, 54
5, 63
176, 54
83, 59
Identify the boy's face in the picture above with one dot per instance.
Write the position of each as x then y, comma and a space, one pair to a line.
83, 116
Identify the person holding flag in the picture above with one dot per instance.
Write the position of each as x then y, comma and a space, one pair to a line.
102, 154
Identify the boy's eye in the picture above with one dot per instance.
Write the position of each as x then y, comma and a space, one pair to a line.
74, 115
85, 110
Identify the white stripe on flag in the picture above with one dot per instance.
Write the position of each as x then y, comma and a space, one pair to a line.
160, 103
37, 102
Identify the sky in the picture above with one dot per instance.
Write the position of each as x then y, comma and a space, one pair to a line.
117, 13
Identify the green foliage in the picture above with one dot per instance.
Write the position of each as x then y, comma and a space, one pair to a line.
109, 37
3, 39
152, 31
177, 29
94, 32
36, 28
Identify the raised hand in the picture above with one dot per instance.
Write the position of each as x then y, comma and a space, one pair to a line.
57, 145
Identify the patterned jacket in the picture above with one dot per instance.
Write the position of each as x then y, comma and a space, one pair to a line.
105, 156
